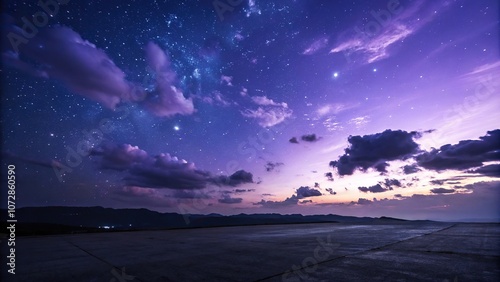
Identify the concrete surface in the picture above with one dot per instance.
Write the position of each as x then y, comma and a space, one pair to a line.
303, 252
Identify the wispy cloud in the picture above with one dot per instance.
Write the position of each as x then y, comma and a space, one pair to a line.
334, 108
359, 122
268, 117
374, 40
269, 112
264, 101
316, 46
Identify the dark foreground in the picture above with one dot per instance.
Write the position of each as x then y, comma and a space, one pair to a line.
407, 251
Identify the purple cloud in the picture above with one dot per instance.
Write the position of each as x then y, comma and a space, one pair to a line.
166, 100
163, 170
300, 193
386, 28
264, 101
306, 191
464, 155
62, 54
269, 112
372, 151
373, 189
316, 46
291, 201
226, 199
268, 117
65, 56
442, 191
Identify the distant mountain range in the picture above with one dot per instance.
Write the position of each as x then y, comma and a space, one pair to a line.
58, 219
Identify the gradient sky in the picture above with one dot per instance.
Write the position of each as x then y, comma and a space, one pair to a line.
364, 108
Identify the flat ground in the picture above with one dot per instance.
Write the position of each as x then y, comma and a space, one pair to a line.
410, 251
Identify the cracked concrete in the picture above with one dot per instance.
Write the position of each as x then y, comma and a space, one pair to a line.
406, 251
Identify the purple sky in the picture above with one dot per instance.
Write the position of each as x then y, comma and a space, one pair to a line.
364, 108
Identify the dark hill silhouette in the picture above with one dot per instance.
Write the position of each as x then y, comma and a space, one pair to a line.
59, 219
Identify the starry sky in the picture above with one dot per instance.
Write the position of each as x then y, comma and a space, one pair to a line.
363, 108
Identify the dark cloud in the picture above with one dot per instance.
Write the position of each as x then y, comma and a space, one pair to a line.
306, 191
237, 178
243, 190
398, 196
228, 200
161, 171
291, 201
316, 185
119, 157
310, 137
409, 169
437, 182
173, 176
381, 167
488, 170
60, 53
330, 190
392, 182
270, 166
442, 191
421, 133
166, 100
293, 140
373, 151
329, 176
464, 155
300, 193
374, 189
306, 201
362, 201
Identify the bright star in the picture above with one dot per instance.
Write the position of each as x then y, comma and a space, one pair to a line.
177, 128
374, 70
335, 74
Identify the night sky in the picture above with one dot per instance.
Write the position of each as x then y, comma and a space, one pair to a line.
364, 108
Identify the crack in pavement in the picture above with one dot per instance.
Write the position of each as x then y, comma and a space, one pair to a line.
356, 253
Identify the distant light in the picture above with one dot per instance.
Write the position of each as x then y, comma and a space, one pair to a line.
335, 74
374, 70
177, 128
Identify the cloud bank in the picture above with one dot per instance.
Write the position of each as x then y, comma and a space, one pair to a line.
161, 171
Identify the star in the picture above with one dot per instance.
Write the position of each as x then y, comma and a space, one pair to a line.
335, 74
177, 128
